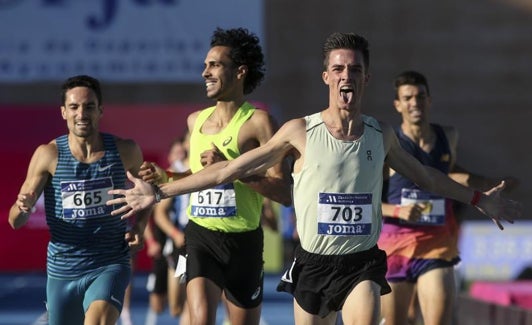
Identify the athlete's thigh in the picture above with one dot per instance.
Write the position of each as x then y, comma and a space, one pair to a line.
362, 305
394, 305
302, 317
64, 304
108, 284
436, 292
203, 296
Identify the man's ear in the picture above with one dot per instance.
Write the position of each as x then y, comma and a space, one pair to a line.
242, 71
325, 77
397, 106
63, 112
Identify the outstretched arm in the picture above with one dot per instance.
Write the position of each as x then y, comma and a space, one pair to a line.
490, 202
466, 178
275, 184
255, 161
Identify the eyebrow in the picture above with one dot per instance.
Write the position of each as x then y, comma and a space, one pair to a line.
356, 65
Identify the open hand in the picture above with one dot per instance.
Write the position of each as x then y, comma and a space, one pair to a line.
498, 208
139, 197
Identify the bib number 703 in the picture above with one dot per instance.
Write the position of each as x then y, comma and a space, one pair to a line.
346, 213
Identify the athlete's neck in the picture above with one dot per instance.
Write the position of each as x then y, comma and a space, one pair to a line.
343, 125
422, 134
225, 110
86, 150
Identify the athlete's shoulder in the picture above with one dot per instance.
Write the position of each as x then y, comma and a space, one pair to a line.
126, 147
130, 153
262, 119
294, 128
388, 136
372, 123
193, 117
450, 131
47, 151
194, 114
45, 157
122, 142
299, 122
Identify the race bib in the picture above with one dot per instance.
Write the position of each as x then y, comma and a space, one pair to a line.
218, 202
345, 214
433, 214
84, 199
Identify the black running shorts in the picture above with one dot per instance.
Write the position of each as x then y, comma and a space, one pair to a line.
321, 283
231, 260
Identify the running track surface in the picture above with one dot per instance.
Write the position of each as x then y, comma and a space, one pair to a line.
22, 298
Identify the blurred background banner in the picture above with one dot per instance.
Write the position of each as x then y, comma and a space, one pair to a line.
490, 254
119, 40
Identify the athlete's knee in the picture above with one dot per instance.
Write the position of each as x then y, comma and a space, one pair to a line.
202, 315
157, 305
176, 311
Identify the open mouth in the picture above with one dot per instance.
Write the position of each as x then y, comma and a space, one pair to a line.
209, 84
347, 94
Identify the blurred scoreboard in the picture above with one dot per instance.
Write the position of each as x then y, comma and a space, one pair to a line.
491, 254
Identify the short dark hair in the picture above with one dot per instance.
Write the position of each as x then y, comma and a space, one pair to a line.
350, 41
81, 81
245, 50
410, 77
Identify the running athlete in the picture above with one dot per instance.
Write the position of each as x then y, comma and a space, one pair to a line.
338, 156
224, 239
88, 259
420, 231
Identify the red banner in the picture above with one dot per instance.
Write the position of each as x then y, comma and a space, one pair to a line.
25, 127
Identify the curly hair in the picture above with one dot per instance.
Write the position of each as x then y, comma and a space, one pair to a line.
245, 50
348, 41
81, 81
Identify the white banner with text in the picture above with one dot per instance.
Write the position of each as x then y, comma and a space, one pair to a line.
115, 40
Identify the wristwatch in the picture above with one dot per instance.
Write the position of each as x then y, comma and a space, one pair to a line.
158, 193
